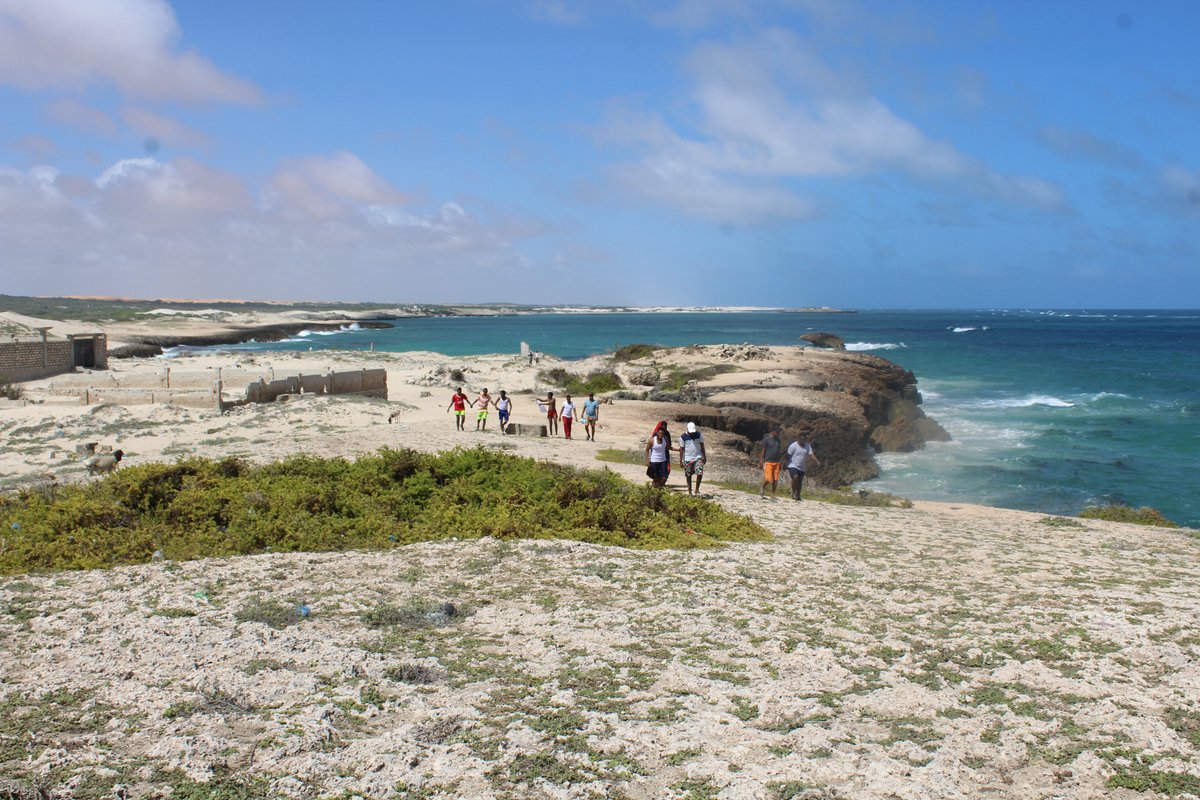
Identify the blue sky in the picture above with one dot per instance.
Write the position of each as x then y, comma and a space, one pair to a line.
698, 152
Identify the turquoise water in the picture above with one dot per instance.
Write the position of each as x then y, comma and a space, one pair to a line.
1050, 410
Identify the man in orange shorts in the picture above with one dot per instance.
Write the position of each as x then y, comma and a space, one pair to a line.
770, 453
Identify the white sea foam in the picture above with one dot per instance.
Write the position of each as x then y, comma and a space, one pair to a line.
1027, 401
860, 346
962, 330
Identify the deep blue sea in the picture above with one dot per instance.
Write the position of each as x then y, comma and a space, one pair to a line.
1050, 410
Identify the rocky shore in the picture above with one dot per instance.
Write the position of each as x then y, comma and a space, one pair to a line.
853, 405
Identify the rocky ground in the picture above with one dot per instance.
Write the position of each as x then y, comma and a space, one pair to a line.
940, 651
934, 652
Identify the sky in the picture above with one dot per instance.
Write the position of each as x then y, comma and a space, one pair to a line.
779, 153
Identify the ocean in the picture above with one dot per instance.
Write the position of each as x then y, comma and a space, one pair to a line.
1050, 411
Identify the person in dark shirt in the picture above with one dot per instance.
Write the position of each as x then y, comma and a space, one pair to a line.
770, 450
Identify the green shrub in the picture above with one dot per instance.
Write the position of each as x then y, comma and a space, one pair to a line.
197, 508
1120, 513
678, 377
12, 391
269, 612
632, 352
599, 381
1061, 522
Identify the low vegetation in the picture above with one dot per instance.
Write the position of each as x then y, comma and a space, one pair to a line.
632, 352
599, 381
842, 497
197, 508
10, 390
618, 456
679, 377
1120, 513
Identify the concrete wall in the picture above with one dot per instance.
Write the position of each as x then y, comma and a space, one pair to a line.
203, 388
30, 360
368, 382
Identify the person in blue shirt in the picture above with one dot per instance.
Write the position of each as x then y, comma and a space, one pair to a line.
591, 413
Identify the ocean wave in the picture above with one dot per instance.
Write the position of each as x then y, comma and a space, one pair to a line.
1100, 397
353, 326
1028, 401
860, 346
964, 329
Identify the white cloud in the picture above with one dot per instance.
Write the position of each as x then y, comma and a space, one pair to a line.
81, 116
1180, 190
162, 128
152, 228
130, 44
329, 187
1081, 144
771, 114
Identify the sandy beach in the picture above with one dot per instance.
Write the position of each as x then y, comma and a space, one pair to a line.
938, 651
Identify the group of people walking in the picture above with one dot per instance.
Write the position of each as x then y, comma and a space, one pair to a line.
460, 403
693, 456
659, 448
588, 412
771, 455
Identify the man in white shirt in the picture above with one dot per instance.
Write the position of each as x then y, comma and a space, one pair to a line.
800, 452
692, 456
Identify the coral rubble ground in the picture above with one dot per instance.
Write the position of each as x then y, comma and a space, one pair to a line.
934, 652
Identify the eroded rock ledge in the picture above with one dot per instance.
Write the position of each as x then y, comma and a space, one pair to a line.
855, 405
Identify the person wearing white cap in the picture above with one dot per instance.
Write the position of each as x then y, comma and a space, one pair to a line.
692, 456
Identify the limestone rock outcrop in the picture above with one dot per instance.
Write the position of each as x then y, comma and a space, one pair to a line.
826, 340
852, 405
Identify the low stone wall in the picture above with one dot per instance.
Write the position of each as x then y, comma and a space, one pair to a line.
366, 382
196, 398
205, 388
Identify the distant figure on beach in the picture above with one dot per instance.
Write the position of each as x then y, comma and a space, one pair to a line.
482, 402
568, 416
503, 410
770, 450
692, 456
591, 413
799, 453
658, 455
459, 403
531, 358
549, 405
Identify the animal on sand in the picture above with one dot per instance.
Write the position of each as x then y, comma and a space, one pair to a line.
105, 463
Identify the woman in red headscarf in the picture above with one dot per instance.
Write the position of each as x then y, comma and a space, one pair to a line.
658, 455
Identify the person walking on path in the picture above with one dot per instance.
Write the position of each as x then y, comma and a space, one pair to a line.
549, 405
503, 410
591, 413
482, 402
692, 456
658, 455
568, 416
770, 450
459, 403
800, 452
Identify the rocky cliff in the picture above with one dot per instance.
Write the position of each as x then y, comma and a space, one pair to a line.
853, 405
